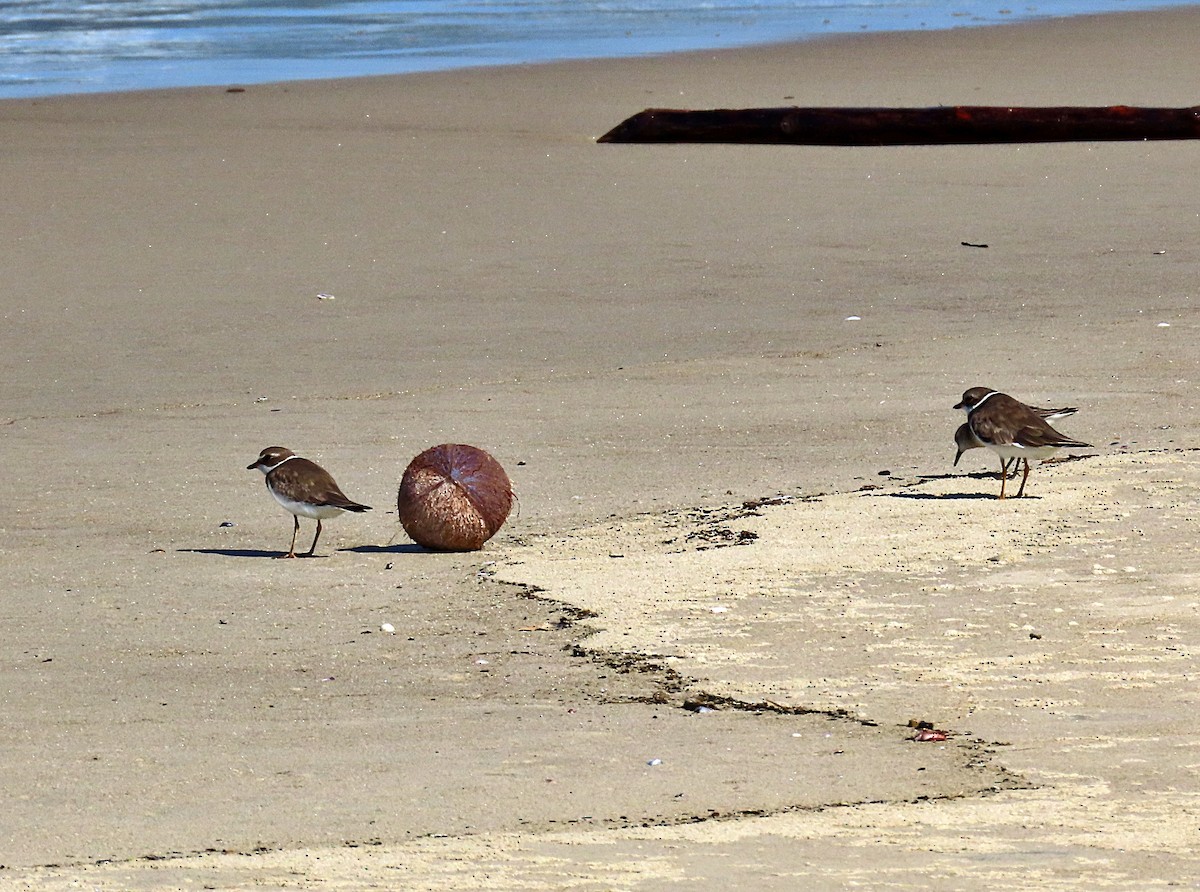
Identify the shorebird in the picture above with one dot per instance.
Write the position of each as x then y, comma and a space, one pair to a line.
964, 439
1011, 429
303, 488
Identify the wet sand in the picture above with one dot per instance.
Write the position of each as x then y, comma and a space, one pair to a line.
742, 561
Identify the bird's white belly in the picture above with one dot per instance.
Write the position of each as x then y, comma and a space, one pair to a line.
1016, 450
303, 509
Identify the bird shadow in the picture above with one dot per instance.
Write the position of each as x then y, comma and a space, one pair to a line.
233, 552
937, 496
991, 476
402, 548
966, 475
406, 548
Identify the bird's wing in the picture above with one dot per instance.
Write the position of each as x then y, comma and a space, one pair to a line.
315, 484
1039, 433
988, 433
1055, 413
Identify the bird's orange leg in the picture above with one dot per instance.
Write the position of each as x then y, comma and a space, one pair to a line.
1021, 491
309, 553
295, 529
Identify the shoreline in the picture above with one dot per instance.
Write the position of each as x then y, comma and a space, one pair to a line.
209, 83
643, 337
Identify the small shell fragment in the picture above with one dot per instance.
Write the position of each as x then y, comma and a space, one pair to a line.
387, 627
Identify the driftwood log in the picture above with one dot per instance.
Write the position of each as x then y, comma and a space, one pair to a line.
943, 125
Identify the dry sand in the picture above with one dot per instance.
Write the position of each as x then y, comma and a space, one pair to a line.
648, 338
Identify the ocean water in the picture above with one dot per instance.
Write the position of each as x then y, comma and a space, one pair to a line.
76, 46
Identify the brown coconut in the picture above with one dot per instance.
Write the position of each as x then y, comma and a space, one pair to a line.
453, 498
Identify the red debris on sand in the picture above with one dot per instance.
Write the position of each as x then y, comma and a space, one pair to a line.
927, 734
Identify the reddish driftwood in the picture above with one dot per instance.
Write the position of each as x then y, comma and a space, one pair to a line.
944, 125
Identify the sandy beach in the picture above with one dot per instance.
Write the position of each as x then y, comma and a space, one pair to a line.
721, 379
